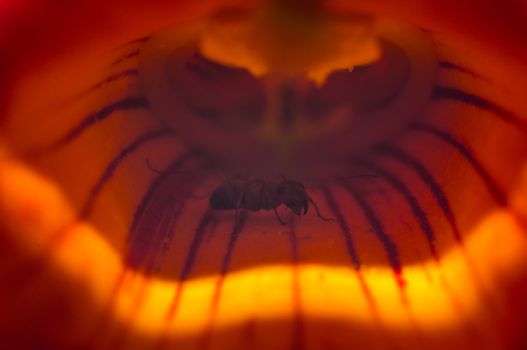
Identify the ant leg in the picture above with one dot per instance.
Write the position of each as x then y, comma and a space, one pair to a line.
318, 211
232, 193
237, 209
235, 199
268, 196
236, 219
278, 217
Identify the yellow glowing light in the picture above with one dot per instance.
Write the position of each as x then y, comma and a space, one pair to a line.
81, 265
266, 293
314, 46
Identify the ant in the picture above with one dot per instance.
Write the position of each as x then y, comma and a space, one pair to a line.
256, 195
259, 194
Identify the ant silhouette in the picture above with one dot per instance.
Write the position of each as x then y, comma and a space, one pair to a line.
258, 194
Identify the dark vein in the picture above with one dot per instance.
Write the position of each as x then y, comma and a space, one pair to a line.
112, 167
178, 163
427, 178
102, 322
195, 244
346, 232
453, 94
149, 230
456, 67
233, 238
121, 75
191, 258
496, 191
121, 105
378, 228
120, 336
418, 212
162, 236
125, 57
136, 41
298, 324
197, 239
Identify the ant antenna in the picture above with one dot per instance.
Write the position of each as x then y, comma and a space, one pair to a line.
318, 211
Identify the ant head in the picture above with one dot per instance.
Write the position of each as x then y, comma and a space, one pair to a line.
298, 207
293, 195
